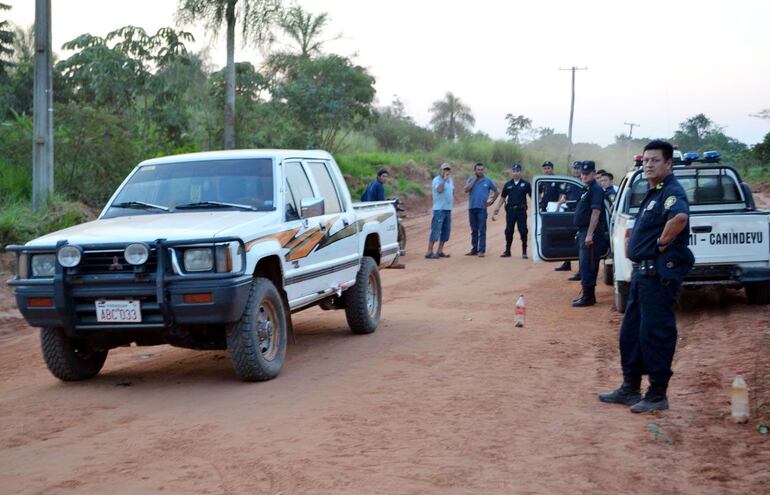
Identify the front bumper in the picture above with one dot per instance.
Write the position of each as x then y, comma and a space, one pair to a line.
161, 294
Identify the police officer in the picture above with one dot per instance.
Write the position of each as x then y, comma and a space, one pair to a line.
571, 193
658, 249
549, 191
592, 227
514, 196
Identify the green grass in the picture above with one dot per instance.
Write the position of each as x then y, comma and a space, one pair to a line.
19, 224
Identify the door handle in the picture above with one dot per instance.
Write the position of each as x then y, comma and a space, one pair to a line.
345, 222
702, 229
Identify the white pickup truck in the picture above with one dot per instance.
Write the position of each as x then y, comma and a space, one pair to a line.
729, 237
207, 251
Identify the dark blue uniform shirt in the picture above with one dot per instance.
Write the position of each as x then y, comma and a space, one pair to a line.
549, 193
572, 192
516, 194
660, 204
591, 199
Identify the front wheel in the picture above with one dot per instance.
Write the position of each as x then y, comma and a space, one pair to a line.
257, 343
609, 275
363, 301
758, 292
68, 359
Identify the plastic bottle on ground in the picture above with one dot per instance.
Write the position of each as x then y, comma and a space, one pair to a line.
740, 399
520, 313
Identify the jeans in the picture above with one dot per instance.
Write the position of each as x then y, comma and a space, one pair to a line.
478, 218
440, 225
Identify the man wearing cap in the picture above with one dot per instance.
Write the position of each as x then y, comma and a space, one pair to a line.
570, 192
479, 187
514, 196
441, 223
549, 191
592, 226
658, 249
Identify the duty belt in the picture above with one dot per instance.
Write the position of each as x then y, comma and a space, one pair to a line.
515, 207
646, 267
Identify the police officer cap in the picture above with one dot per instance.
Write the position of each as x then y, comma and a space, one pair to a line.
516, 166
587, 166
675, 262
547, 164
577, 164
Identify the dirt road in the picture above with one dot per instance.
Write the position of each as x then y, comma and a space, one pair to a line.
446, 397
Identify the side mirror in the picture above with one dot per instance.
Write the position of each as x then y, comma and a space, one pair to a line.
311, 207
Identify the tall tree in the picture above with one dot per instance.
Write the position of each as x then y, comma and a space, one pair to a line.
516, 125
451, 117
256, 17
304, 29
6, 42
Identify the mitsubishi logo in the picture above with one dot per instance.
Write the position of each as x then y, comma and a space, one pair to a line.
115, 264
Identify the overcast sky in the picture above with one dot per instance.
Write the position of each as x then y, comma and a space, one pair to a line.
651, 62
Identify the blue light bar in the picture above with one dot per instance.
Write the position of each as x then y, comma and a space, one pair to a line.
691, 156
710, 155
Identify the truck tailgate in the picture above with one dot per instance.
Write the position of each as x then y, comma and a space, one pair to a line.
730, 238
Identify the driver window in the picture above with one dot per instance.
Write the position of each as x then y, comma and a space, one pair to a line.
298, 188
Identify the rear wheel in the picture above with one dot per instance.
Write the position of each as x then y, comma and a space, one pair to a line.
609, 275
621, 296
363, 301
257, 343
758, 292
69, 359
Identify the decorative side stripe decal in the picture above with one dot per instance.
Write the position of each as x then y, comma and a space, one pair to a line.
320, 273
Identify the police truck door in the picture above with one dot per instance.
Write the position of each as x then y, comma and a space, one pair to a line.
553, 232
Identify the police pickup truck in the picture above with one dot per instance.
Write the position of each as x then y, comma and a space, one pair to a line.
729, 236
207, 251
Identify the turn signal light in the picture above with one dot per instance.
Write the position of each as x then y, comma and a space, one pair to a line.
40, 302
202, 298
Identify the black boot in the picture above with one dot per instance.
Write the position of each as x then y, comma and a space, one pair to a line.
627, 394
654, 400
564, 267
587, 299
575, 278
524, 250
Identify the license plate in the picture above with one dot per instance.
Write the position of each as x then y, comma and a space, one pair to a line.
113, 311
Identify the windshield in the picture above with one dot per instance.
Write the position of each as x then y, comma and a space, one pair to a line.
240, 184
704, 187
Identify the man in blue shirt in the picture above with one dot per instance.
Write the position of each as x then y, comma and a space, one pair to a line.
592, 226
658, 249
478, 187
441, 223
375, 190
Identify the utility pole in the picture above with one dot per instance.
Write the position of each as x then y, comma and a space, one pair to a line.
631, 126
42, 103
571, 111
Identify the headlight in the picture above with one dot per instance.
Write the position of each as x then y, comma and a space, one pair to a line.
198, 260
137, 254
43, 265
69, 256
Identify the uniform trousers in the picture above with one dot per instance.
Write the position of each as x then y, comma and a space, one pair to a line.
514, 216
589, 257
648, 332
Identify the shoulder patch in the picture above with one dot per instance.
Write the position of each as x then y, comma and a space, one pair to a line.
669, 202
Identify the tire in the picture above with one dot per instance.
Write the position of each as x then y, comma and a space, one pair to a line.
609, 274
401, 238
758, 293
621, 296
257, 343
69, 360
363, 301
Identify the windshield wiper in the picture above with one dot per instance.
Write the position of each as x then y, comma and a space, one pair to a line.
214, 204
140, 205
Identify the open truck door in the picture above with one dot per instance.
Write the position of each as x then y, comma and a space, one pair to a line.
553, 232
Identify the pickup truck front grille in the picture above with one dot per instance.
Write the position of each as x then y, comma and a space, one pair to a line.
112, 262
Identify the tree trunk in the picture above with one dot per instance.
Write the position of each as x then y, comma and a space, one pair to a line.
230, 78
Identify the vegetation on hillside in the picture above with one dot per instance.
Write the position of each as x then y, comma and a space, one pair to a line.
132, 95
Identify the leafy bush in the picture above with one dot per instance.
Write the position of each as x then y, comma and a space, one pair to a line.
19, 223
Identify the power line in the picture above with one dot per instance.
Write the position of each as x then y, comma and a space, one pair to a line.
571, 111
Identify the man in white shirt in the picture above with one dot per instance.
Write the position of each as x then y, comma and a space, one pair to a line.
441, 223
